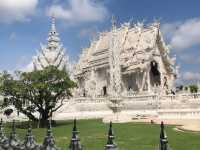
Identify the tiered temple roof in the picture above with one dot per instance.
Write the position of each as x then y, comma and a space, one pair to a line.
53, 53
138, 45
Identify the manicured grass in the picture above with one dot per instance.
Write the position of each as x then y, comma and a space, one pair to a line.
129, 136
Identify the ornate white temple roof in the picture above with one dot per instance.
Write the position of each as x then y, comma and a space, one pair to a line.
53, 53
138, 45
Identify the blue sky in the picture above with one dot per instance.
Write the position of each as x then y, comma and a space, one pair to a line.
24, 24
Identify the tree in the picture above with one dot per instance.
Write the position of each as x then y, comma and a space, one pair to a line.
40, 91
186, 88
193, 88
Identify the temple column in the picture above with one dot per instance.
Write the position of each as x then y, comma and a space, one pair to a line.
148, 80
94, 82
137, 80
141, 81
161, 80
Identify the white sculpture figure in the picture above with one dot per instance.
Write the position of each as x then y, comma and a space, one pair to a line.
114, 62
91, 84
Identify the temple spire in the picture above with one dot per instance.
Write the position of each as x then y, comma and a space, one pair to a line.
53, 24
114, 22
53, 39
52, 53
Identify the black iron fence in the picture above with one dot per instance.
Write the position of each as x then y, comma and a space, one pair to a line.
29, 143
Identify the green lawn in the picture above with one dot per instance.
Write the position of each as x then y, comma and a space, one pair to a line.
129, 136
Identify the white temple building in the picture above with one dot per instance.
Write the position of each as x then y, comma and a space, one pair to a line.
127, 73
128, 59
53, 53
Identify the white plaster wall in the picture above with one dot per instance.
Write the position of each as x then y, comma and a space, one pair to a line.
179, 107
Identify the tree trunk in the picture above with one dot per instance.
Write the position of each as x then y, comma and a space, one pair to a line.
44, 118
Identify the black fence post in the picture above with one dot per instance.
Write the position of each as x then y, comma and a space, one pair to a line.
4, 143
110, 142
75, 143
29, 142
14, 143
49, 142
163, 138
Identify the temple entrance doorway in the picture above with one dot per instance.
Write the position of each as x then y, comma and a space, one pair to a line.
104, 91
154, 74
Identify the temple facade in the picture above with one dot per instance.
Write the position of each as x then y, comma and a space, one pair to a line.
127, 60
126, 74
53, 53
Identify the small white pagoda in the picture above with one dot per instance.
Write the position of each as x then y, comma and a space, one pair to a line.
53, 53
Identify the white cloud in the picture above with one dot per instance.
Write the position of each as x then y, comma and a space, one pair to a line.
168, 29
191, 76
28, 68
188, 78
24, 64
183, 35
16, 10
79, 11
88, 32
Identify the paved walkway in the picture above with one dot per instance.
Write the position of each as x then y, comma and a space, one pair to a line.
183, 124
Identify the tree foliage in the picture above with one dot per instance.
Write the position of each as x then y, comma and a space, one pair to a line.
39, 92
193, 88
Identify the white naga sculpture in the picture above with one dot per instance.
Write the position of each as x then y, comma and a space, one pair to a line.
53, 53
128, 58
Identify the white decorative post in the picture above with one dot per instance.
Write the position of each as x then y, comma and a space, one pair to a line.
115, 79
114, 62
